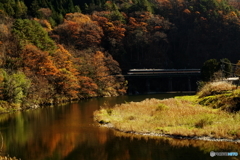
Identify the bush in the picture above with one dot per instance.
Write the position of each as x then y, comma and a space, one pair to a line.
214, 88
14, 87
209, 68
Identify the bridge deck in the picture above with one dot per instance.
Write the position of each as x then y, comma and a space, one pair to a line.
163, 72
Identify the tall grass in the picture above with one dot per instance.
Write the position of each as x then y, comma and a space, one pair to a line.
172, 116
221, 95
213, 88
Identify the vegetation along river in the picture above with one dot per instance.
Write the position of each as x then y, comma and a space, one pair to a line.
69, 133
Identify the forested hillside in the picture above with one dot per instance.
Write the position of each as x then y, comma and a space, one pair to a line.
53, 50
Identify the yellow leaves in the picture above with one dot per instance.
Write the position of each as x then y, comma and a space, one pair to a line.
99, 55
46, 25
77, 17
232, 14
63, 50
62, 58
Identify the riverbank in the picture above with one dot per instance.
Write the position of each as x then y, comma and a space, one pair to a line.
7, 107
7, 158
173, 118
152, 134
179, 117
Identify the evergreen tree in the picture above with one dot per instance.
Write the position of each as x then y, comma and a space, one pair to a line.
9, 9
34, 8
226, 67
77, 9
209, 68
20, 9
29, 31
71, 8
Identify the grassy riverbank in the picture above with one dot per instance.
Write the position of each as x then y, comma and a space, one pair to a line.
7, 158
201, 115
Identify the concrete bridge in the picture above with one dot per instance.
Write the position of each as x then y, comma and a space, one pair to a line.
162, 80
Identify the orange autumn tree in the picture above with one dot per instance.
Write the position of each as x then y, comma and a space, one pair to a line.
104, 76
120, 85
88, 88
55, 74
67, 78
38, 62
38, 66
79, 30
114, 30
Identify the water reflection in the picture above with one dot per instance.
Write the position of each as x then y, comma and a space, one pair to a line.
69, 133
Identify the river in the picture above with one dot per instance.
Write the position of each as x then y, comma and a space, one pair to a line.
69, 133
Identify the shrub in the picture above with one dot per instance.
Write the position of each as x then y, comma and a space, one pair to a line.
214, 88
14, 87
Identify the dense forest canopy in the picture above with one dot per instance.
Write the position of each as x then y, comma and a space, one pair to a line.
70, 49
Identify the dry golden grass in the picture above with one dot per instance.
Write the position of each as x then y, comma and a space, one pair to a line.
7, 158
172, 116
215, 88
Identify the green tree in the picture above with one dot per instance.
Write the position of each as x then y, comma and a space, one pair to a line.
77, 9
9, 9
71, 8
226, 67
29, 31
14, 86
34, 8
20, 9
209, 68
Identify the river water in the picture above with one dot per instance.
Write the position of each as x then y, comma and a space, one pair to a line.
69, 133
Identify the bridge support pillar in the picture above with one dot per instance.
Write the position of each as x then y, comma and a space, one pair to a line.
189, 84
170, 88
148, 85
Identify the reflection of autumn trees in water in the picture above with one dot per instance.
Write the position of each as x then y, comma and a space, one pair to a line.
58, 134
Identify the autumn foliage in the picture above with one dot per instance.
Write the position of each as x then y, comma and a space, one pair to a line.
70, 51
